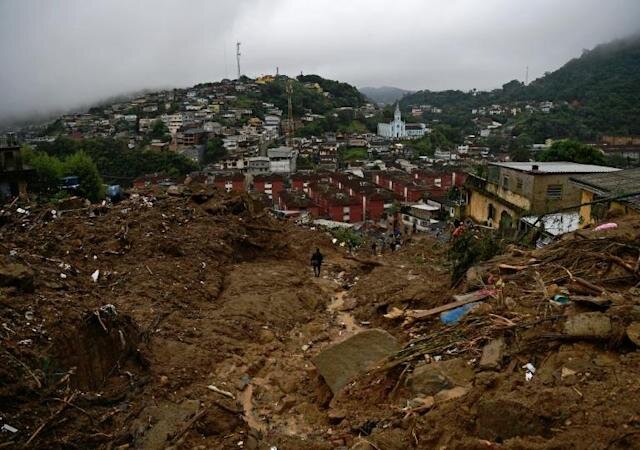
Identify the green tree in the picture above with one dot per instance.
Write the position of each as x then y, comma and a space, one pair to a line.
81, 165
214, 151
159, 131
573, 151
48, 171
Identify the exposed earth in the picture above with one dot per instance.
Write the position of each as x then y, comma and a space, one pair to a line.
194, 321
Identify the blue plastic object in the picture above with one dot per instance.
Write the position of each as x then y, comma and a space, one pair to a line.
453, 316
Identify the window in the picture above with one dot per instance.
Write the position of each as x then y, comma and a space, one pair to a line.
519, 184
554, 191
505, 181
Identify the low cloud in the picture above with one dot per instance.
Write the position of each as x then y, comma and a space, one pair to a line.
70, 53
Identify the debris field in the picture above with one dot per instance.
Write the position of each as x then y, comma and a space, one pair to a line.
193, 320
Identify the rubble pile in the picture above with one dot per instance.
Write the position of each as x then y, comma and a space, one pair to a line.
191, 319
546, 356
108, 312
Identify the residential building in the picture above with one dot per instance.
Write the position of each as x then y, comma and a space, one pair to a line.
512, 190
229, 181
271, 185
13, 173
618, 191
282, 159
257, 165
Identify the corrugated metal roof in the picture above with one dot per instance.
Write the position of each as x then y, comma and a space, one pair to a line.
613, 184
556, 167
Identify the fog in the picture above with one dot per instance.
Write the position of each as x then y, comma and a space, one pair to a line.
62, 54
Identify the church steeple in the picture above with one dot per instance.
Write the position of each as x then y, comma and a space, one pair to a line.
397, 115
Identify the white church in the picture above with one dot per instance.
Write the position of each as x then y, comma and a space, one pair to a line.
397, 129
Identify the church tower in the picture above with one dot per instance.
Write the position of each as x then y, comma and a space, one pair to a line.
396, 115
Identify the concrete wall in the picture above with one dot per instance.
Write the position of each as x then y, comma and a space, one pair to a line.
571, 194
478, 209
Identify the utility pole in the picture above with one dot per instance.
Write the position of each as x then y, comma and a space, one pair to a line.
290, 125
238, 57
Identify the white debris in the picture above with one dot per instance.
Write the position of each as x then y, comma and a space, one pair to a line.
530, 369
63, 275
95, 275
109, 310
9, 428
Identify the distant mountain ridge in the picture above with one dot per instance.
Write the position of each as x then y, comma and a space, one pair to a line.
601, 87
384, 95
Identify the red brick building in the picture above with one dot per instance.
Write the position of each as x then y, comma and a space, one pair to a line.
297, 201
272, 185
230, 182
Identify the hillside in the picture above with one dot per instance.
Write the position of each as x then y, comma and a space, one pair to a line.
384, 95
596, 93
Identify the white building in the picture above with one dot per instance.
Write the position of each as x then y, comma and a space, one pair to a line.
397, 129
282, 159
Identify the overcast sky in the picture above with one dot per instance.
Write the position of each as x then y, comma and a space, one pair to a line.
60, 54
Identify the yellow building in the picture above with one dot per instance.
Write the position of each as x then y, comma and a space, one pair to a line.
619, 192
512, 190
264, 79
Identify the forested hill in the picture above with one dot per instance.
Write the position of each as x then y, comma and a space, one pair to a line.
384, 95
601, 87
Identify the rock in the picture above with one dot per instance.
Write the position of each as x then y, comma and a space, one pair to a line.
501, 419
566, 372
633, 333
72, 203
16, 275
588, 325
432, 378
286, 403
341, 362
362, 445
450, 394
336, 416
421, 402
175, 190
492, 354
427, 379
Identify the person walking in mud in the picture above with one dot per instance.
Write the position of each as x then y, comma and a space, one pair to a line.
316, 262
374, 248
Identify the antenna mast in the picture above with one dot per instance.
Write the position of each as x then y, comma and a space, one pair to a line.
238, 57
290, 125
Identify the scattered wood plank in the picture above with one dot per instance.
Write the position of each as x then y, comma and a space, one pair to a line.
510, 268
600, 302
584, 283
460, 301
213, 388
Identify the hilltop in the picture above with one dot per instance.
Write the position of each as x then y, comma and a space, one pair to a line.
596, 93
384, 95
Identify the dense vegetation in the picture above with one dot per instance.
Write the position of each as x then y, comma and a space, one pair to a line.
49, 171
116, 162
599, 91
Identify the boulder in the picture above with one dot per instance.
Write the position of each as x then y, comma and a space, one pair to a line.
341, 362
588, 325
450, 394
16, 275
633, 333
492, 354
500, 419
429, 379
